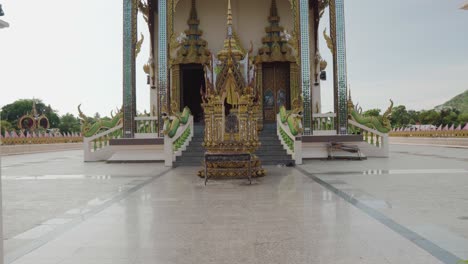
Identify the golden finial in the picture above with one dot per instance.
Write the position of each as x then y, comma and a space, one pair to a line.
229, 14
34, 109
350, 101
273, 9
193, 11
349, 92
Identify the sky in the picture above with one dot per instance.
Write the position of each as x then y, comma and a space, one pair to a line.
70, 52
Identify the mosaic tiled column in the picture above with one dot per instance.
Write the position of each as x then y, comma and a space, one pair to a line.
129, 81
338, 35
305, 65
162, 60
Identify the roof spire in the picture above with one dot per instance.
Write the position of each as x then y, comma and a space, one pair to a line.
274, 17
229, 19
273, 9
231, 45
349, 91
34, 109
193, 11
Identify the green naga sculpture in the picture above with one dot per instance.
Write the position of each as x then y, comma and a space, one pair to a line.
381, 124
173, 122
294, 117
89, 129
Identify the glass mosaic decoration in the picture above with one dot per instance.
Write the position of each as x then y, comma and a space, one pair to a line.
129, 81
341, 71
305, 65
162, 65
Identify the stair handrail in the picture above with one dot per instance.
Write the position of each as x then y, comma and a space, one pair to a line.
292, 144
102, 139
104, 133
179, 142
373, 137
363, 127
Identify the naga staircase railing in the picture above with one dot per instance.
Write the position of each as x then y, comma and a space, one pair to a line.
94, 146
174, 146
291, 143
371, 136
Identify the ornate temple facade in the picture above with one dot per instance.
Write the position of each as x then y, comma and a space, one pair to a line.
227, 71
279, 38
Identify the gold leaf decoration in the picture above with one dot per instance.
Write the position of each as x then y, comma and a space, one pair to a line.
138, 44
329, 40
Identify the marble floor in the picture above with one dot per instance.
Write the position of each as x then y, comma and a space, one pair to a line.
320, 212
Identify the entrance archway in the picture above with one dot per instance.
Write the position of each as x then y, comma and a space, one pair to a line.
276, 89
192, 79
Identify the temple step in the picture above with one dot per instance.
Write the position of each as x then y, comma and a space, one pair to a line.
271, 151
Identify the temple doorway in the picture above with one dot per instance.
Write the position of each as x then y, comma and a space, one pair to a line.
192, 78
276, 90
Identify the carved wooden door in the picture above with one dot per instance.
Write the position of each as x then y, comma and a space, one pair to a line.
276, 90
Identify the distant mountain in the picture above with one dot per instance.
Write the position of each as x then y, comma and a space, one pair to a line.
459, 102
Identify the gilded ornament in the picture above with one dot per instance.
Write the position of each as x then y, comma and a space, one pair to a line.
231, 115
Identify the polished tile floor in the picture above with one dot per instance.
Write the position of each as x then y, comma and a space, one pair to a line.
286, 217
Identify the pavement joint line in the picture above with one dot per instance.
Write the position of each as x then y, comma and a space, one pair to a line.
430, 155
425, 244
431, 145
61, 229
393, 172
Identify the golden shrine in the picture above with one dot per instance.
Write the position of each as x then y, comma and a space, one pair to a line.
33, 121
231, 112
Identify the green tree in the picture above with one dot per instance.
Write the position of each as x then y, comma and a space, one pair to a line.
462, 119
14, 111
5, 126
372, 112
399, 117
413, 117
69, 123
449, 116
52, 115
430, 117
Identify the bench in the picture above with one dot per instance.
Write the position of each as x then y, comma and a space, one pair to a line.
213, 158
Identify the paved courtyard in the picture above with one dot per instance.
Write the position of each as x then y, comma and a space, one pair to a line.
410, 208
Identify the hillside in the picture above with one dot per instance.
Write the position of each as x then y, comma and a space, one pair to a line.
459, 102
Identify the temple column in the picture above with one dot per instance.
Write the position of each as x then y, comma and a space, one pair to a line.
305, 65
338, 35
129, 81
162, 60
